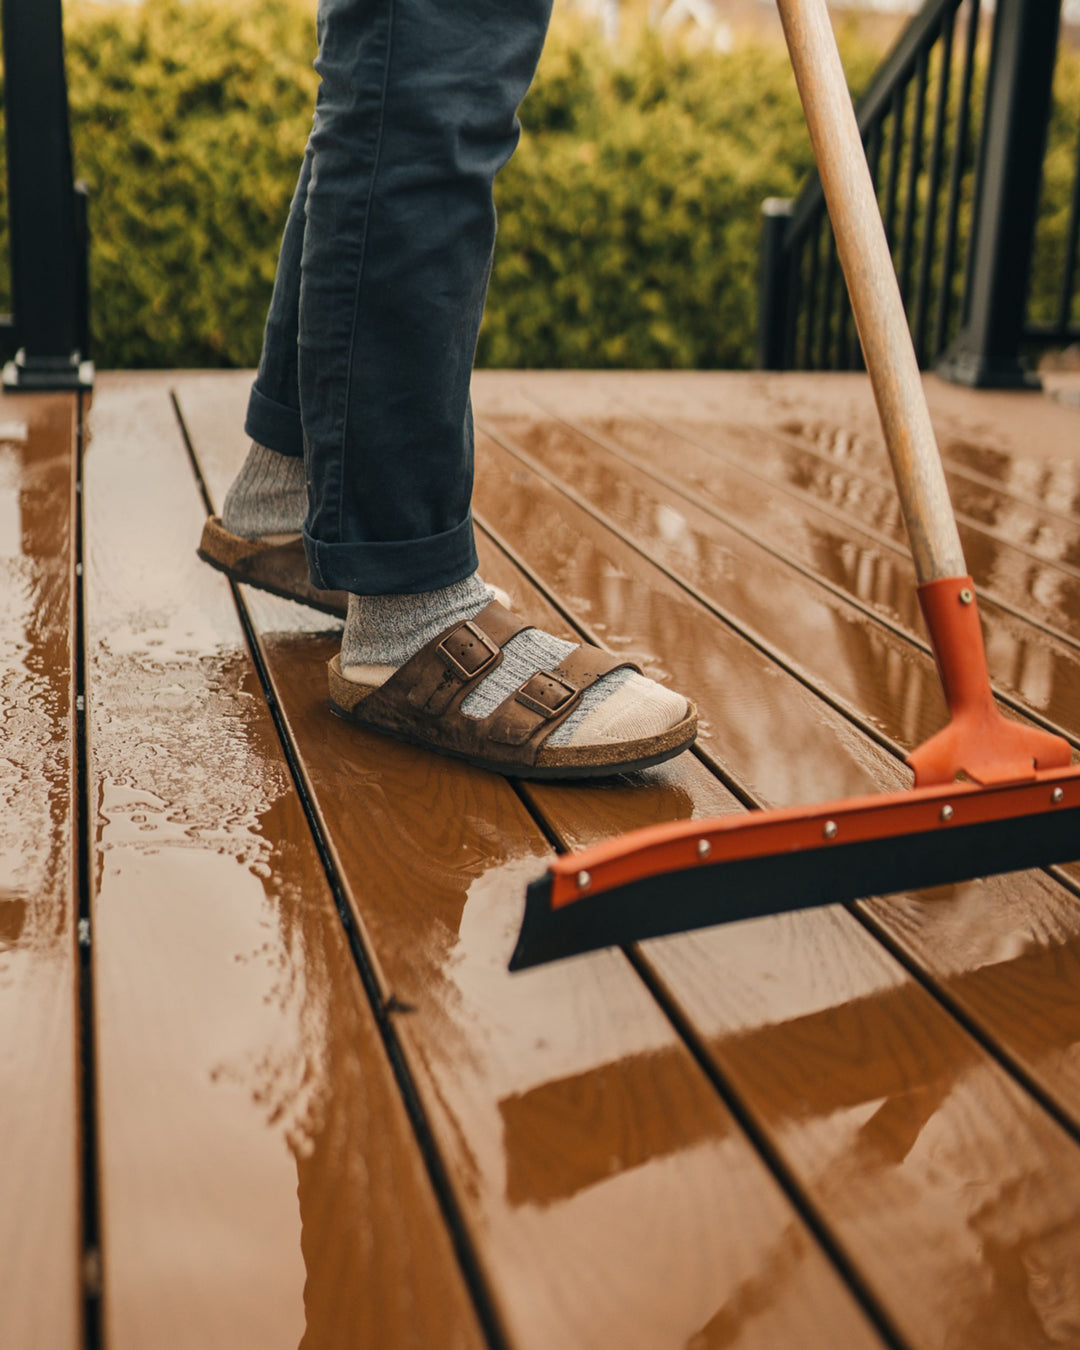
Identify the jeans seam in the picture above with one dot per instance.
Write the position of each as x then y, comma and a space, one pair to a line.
360, 269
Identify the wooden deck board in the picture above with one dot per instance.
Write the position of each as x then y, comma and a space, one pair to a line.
261, 1184
40, 1107
820, 518
780, 742
565, 1105
1029, 578
746, 1136
936, 1173
878, 1033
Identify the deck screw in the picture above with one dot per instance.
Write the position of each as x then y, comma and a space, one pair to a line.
704, 848
966, 596
831, 829
584, 881
946, 813
1058, 795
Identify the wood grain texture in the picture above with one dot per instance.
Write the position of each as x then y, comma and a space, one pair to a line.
1029, 526
260, 1182
893, 689
883, 1051
1019, 443
871, 670
610, 1198
1036, 669
617, 595
1027, 573
40, 1108
1023, 448
953, 1193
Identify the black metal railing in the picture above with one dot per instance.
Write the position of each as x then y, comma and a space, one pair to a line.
48, 334
1060, 302
955, 125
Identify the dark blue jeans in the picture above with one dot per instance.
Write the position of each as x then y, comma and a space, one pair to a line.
382, 277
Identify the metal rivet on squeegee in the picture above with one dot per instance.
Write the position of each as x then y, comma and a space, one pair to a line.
946, 813
1058, 795
704, 848
584, 881
831, 829
966, 596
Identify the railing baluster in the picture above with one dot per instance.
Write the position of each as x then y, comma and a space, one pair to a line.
896, 148
794, 293
925, 150
812, 294
1068, 283
956, 176
824, 361
915, 158
933, 189
852, 347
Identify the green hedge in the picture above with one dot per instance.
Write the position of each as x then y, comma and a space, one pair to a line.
629, 218
189, 121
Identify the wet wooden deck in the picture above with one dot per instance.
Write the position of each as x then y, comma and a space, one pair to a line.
305, 1105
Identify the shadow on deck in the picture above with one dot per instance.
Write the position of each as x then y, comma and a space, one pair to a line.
311, 1108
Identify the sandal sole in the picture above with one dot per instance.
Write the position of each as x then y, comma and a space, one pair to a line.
235, 572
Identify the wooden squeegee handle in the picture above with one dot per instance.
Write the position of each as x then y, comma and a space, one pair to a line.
875, 296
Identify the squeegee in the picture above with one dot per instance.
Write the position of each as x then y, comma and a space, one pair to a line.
990, 795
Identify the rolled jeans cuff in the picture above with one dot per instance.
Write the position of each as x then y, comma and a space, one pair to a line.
273, 425
394, 567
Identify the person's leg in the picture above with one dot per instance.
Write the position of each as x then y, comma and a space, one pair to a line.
416, 114
273, 413
381, 279
268, 497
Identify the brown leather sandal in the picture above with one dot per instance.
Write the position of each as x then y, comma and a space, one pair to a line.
280, 569
421, 703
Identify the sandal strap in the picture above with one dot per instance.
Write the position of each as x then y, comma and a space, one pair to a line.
451, 665
425, 695
442, 673
549, 697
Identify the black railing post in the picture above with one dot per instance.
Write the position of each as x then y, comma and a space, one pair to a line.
48, 273
986, 352
773, 318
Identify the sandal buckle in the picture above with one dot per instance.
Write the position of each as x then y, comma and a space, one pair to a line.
546, 694
468, 651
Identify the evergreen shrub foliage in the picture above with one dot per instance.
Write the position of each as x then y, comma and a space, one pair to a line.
629, 219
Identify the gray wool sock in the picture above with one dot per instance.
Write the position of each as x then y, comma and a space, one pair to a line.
385, 630
268, 495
